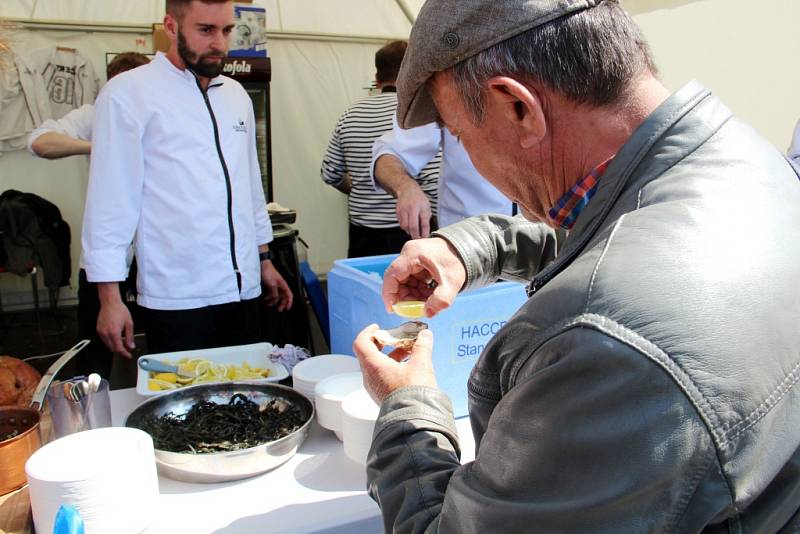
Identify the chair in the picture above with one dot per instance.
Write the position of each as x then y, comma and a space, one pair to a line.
32, 271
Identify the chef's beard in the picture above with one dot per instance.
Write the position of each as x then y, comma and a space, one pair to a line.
198, 62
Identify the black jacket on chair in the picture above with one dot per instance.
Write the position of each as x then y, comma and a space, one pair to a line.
34, 232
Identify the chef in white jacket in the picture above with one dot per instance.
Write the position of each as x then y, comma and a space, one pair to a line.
174, 168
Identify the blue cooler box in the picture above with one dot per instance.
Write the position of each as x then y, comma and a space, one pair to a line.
460, 332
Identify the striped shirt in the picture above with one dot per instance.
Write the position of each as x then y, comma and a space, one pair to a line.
350, 151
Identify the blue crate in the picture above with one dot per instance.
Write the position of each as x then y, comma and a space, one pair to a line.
460, 332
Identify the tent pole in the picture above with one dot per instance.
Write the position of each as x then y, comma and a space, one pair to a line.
110, 27
407, 11
330, 37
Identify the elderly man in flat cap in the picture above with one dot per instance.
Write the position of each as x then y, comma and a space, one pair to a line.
651, 383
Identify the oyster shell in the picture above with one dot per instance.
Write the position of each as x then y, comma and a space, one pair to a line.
402, 337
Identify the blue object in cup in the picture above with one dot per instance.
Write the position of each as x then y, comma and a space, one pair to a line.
68, 520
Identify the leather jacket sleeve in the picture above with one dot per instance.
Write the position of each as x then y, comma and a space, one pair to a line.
499, 246
591, 437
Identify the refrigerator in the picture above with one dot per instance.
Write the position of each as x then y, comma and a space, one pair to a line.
255, 74
291, 326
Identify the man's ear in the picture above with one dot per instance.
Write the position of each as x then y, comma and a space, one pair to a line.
520, 106
171, 26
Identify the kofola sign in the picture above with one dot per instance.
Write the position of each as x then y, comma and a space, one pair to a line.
237, 66
247, 69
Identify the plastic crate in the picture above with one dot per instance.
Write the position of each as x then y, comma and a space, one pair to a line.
460, 332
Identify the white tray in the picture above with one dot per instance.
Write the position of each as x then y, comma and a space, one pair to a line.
256, 355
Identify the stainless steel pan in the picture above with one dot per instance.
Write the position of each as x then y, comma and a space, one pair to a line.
232, 465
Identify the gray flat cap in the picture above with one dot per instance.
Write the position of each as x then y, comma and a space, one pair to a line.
449, 31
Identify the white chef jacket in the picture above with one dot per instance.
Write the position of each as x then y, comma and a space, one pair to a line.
794, 149
462, 191
76, 124
156, 174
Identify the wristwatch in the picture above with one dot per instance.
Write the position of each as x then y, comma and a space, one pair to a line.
264, 256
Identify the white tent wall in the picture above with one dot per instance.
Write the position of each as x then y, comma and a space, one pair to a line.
742, 50
322, 53
313, 82
129, 12
344, 17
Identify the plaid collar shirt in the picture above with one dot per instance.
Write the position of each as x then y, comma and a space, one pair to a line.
566, 210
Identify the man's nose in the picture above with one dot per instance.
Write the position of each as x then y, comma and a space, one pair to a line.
221, 42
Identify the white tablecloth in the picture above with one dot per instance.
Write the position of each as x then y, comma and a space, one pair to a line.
318, 490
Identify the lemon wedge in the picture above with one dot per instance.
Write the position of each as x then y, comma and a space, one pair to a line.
204, 371
411, 309
167, 377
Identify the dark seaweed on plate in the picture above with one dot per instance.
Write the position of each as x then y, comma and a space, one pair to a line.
210, 427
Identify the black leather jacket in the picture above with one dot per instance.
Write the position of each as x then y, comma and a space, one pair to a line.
650, 383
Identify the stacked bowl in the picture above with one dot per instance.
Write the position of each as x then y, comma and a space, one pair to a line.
307, 373
336, 386
328, 396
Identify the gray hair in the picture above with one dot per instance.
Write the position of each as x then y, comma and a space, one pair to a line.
590, 57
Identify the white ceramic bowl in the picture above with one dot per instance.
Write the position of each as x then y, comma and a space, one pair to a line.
328, 395
307, 373
359, 413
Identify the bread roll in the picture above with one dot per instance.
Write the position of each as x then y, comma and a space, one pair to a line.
18, 381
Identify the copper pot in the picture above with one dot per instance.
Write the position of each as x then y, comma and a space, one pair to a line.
24, 423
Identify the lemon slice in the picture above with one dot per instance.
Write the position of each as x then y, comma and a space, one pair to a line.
411, 309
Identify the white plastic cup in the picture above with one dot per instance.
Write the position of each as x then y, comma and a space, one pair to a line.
359, 413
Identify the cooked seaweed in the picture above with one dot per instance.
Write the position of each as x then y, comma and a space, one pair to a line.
210, 427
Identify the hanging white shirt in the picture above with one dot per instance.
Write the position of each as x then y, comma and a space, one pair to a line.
156, 175
69, 77
23, 102
463, 192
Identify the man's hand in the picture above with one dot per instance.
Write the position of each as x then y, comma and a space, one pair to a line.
414, 210
384, 374
413, 207
429, 270
114, 323
277, 290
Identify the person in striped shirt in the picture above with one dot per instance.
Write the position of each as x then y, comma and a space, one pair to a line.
374, 228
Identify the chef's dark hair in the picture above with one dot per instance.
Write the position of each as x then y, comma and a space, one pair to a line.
177, 8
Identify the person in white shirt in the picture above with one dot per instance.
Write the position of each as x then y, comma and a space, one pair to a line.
71, 135
374, 227
400, 154
174, 167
